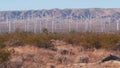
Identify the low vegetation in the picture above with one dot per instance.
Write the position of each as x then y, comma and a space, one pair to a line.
43, 40
87, 40
59, 48
4, 56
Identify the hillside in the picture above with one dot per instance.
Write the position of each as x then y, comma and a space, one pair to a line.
62, 13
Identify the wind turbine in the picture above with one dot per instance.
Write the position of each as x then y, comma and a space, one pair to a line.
34, 20
69, 26
25, 26
89, 19
22, 21
46, 23
53, 22
15, 24
104, 21
101, 21
117, 25
9, 25
86, 24
59, 24
77, 25
40, 25
81, 21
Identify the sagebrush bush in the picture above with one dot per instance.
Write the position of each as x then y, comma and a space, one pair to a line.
88, 40
2, 45
4, 56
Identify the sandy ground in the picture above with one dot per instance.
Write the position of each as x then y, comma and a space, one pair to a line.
29, 56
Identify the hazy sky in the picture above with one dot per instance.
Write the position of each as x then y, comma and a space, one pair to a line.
50, 4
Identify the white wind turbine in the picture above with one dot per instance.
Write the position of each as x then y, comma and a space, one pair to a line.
14, 26
102, 22
35, 24
86, 24
89, 19
117, 25
9, 25
40, 25
25, 26
77, 24
69, 21
53, 22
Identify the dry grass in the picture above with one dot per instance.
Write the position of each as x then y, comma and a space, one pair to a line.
60, 50
41, 57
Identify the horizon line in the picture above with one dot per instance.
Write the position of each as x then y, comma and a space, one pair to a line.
54, 8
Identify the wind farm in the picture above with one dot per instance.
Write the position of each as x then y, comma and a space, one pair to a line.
59, 34
85, 21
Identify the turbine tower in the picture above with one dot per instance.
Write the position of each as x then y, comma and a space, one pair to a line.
77, 25
101, 21
109, 23
34, 20
53, 22
89, 19
86, 24
117, 25
9, 25
40, 26
69, 23
25, 26
46, 22
81, 21
15, 24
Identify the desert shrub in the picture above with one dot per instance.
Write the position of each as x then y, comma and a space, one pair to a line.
108, 41
72, 38
2, 45
82, 59
42, 41
4, 56
117, 47
17, 38
62, 59
45, 30
88, 40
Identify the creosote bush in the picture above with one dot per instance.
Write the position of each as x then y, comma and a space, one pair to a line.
2, 45
4, 56
87, 40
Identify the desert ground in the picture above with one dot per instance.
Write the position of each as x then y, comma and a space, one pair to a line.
60, 55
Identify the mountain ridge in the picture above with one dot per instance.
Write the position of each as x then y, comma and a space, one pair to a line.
113, 13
